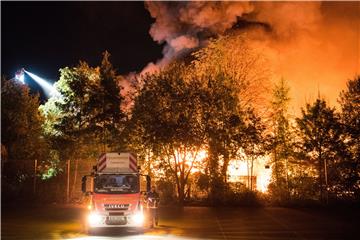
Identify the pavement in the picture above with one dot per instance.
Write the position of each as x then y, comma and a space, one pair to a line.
64, 222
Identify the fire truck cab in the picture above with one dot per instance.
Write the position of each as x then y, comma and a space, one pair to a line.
114, 193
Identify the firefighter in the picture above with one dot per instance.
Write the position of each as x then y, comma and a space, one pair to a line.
152, 204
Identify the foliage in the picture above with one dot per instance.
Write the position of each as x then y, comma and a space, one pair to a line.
86, 119
167, 190
178, 112
167, 111
281, 140
21, 132
350, 118
240, 64
253, 142
244, 198
223, 125
21, 137
234, 77
320, 142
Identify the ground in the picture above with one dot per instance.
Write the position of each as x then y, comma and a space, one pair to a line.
64, 222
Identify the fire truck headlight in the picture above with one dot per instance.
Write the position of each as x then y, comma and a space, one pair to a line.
138, 218
94, 218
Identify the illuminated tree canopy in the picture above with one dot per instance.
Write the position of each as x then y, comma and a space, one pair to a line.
87, 113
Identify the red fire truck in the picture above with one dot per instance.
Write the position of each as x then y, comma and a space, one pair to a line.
114, 192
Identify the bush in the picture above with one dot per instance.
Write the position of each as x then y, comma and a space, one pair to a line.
244, 198
166, 191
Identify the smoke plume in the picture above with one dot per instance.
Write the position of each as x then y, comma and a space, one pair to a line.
185, 26
313, 45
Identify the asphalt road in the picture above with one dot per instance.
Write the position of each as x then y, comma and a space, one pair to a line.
64, 222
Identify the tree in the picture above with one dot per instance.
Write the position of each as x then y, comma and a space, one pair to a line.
228, 80
22, 141
235, 79
21, 121
166, 111
350, 118
107, 101
223, 121
254, 146
281, 139
87, 115
85, 119
239, 63
319, 134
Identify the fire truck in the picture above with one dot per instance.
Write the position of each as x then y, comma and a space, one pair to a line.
115, 193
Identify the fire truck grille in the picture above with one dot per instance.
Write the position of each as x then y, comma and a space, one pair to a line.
116, 213
116, 207
116, 220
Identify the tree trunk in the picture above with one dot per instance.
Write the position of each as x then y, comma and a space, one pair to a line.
248, 173
251, 173
320, 177
68, 181
276, 168
188, 192
75, 178
326, 183
213, 170
225, 167
287, 178
181, 192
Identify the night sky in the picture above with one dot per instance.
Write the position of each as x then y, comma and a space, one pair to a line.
43, 37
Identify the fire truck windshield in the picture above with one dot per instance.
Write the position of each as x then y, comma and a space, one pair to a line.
115, 183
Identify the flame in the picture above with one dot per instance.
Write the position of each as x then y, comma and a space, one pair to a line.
263, 180
194, 158
239, 171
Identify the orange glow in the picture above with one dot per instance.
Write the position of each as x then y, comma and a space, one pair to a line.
202, 154
313, 45
195, 159
264, 180
239, 171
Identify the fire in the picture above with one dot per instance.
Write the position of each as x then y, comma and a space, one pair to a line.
264, 180
196, 159
202, 154
239, 171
